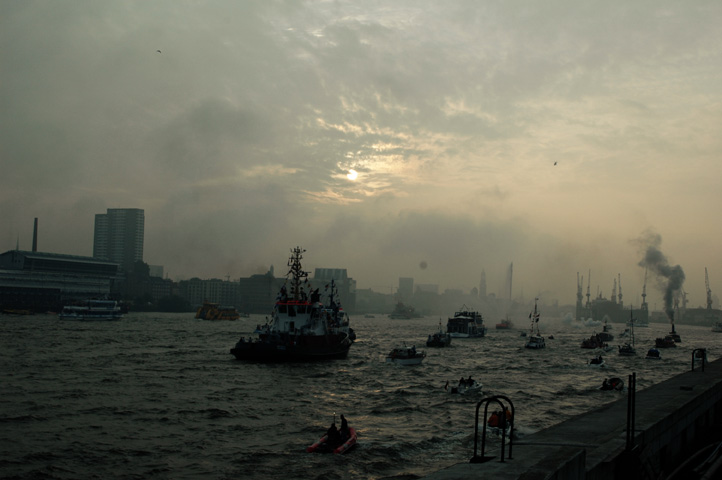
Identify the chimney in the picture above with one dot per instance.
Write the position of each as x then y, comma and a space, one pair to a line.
35, 235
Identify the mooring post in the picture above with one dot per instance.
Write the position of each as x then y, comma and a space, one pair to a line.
631, 409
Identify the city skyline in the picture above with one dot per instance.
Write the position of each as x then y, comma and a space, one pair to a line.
413, 139
407, 286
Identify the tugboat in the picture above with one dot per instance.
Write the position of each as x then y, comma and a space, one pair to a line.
604, 335
403, 312
439, 339
628, 350
300, 329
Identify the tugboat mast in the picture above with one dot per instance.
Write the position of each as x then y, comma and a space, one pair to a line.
297, 274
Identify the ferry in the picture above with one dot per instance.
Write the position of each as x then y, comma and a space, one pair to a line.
301, 327
214, 311
466, 324
92, 310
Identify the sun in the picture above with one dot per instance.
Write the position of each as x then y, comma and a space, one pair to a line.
352, 174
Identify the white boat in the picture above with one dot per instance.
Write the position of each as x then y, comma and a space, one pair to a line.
92, 310
534, 340
466, 324
405, 356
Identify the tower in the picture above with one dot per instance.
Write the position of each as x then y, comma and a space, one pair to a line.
118, 236
482, 284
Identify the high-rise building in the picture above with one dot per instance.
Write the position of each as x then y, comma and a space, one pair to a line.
406, 289
119, 236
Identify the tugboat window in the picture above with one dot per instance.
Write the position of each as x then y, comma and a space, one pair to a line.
291, 311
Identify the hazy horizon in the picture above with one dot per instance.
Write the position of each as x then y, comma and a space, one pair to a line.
405, 139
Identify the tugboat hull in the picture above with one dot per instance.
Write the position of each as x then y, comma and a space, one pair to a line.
301, 350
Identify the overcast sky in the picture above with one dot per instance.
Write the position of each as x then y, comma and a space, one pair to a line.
562, 136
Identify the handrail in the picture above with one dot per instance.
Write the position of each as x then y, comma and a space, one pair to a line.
703, 357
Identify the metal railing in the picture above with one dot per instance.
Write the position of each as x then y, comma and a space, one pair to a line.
702, 357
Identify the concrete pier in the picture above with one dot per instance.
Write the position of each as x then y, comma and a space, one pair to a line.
670, 417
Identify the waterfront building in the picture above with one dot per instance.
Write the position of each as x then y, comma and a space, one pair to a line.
214, 290
40, 282
258, 292
119, 235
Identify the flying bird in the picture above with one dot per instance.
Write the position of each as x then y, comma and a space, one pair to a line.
158, 51
554, 162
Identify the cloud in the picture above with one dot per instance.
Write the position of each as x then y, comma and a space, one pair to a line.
236, 139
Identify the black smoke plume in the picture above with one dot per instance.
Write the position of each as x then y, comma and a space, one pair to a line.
669, 278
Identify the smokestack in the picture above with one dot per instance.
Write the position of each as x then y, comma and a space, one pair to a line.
35, 235
671, 278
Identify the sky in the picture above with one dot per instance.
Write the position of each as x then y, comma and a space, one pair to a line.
565, 137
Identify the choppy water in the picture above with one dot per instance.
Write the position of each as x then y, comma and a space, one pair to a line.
159, 395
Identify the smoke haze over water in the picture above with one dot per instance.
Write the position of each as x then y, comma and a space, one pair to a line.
669, 278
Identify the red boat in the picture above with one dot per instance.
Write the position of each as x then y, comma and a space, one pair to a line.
505, 324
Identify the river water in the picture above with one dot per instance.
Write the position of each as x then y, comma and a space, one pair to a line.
159, 395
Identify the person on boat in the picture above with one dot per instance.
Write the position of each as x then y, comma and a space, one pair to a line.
344, 431
315, 296
494, 419
333, 436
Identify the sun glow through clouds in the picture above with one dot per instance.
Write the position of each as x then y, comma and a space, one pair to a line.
352, 174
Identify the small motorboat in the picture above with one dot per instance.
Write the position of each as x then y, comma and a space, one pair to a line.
343, 440
653, 354
497, 426
465, 386
666, 342
405, 356
614, 383
597, 362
